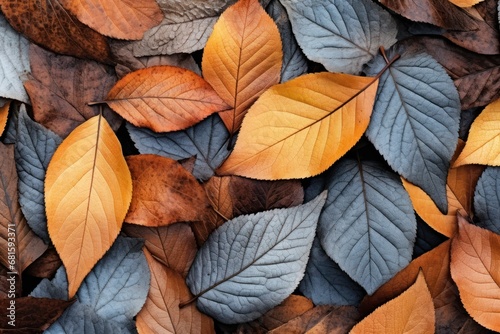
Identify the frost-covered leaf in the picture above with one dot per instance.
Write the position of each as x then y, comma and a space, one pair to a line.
343, 35
415, 120
487, 199
207, 141
253, 262
368, 226
35, 146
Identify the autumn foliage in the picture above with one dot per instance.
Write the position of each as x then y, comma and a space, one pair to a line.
273, 166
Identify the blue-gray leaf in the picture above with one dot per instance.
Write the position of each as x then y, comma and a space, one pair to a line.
368, 225
35, 146
253, 262
207, 141
487, 199
343, 35
325, 283
415, 121
56, 288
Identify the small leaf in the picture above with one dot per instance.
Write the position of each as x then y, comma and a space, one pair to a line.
415, 121
300, 128
46, 265
341, 35
207, 141
242, 58
164, 98
465, 3
483, 143
252, 263
88, 189
487, 199
410, 312
164, 192
4, 114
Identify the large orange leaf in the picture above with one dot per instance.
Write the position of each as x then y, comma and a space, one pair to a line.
475, 268
242, 58
483, 144
300, 128
164, 98
124, 19
410, 312
88, 189
4, 112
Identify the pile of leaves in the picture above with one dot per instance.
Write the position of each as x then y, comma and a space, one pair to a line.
291, 166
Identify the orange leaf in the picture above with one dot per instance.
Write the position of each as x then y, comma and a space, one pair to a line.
164, 98
483, 144
88, 189
410, 312
475, 268
242, 58
4, 112
164, 192
465, 3
300, 128
161, 313
123, 19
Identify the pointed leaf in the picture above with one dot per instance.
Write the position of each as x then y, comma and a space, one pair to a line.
367, 226
164, 192
300, 128
56, 288
123, 19
242, 58
415, 121
4, 114
88, 189
487, 199
15, 63
164, 98
341, 35
410, 312
207, 141
483, 143
252, 263
35, 146
475, 264
465, 3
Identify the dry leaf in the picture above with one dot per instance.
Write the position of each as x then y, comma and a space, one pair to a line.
465, 3
300, 128
4, 113
164, 98
46, 265
88, 189
164, 192
242, 58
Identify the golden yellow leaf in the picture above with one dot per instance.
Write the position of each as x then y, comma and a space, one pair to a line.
4, 112
483, 144
465, 3
300, 128
88, 189
475, 268
410, 312
242, 58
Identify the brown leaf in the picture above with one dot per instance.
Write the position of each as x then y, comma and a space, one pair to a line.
4, 113
173, 245
46, 265
161, 313
207, 225
31, 315
164, 192
60, 88
48, 24
10, 285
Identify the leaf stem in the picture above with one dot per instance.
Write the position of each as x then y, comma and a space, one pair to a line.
186, 303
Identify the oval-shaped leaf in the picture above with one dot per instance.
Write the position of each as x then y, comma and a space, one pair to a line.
253, 262
242, 58
164, 98
300, 128
88, 189
367, 226
341, 35
487, 199
415, 121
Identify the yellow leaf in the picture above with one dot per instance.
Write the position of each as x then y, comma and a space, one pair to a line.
88, 189
465, 3
242, 58
410, 312
4, 112
300, 128
483, 144
475, 268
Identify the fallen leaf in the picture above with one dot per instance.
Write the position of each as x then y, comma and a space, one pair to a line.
88, 189
487, 199
46, 265
465, 3
164, 192
300, 128
4, 114
475, 264
164, 98
242, 58
218, 190
410, 312
122, 19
